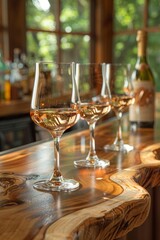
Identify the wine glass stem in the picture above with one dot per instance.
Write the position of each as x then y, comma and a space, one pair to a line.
92, 152
56, 176
119, 135
119, 139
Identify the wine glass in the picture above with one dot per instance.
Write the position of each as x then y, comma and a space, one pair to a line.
91, 106
121, 94
52, 108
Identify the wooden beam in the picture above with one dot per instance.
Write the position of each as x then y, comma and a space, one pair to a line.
104, 30
16, 22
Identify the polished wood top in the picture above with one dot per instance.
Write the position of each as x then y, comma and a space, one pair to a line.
110, 202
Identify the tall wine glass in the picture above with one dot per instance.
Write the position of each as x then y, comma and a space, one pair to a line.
53, 98
121, 94
91, 106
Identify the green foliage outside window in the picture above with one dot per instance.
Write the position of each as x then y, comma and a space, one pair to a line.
128, 18
128, 14
75, 15
58, 30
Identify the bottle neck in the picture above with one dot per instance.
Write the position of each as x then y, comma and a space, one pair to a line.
2, 63
1, 56
142, 59
141, 49
141, 44
16, 58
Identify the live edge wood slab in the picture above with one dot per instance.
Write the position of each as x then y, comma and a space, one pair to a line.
110, 202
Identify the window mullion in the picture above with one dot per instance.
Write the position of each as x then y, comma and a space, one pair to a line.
146, 14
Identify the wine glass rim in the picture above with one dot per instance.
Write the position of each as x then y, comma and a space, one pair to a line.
56, 63
90, 64
118, 64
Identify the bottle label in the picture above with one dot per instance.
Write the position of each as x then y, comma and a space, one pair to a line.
143, 108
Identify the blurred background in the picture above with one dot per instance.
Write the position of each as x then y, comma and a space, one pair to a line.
81, 30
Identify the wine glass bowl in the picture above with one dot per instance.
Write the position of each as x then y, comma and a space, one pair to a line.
91, 106
53, 98
121, 95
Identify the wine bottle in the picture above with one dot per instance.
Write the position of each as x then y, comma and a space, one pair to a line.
141, 113
5, 90
16, 77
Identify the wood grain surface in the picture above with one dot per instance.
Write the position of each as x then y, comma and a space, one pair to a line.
110, 202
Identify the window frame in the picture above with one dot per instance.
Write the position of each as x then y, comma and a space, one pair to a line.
60, 33
101, 25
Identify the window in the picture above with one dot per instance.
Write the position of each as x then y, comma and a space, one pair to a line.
129, 16
56, 31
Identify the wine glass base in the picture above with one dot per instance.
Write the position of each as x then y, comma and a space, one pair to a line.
119, 148
66, 185
90, 164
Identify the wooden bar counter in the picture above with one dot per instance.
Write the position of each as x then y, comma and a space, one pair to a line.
110, 202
